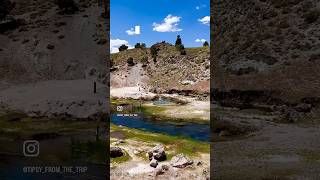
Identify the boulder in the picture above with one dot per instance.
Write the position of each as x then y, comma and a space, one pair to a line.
116, 152
157, 153
181, 161
154, 163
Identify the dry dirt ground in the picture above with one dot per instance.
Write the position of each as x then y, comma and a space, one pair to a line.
73, 98
272, 151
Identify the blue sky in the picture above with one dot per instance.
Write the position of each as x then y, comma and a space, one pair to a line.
159, 20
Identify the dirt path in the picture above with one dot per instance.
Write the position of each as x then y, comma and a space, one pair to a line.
129, 76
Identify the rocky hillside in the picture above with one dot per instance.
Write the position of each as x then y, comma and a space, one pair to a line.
40, 41
267, 50
171, 72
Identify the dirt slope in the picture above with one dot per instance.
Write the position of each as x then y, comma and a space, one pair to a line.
267, 45
49, 45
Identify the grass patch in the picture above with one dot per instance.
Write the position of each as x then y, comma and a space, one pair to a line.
152, 110
13, 125
122, 101
177, 144
119, 160
309, 156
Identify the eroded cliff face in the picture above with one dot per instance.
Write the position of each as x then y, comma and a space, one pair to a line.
271, 47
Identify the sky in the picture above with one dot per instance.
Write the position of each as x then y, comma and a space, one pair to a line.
152, 21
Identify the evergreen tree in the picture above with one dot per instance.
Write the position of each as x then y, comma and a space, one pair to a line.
178, 41
123, 47
205, 44
137, 45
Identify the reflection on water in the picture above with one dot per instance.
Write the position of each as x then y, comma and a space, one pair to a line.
192, 130
77, 150
162, 101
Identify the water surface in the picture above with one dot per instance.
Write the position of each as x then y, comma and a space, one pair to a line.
195, 131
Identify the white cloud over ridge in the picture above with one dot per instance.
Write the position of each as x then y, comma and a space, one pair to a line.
200, 40
116, 43
169, 24
205, 20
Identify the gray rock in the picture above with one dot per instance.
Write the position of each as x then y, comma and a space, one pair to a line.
224, 133
157, 153
303, 107
158, 171
154, 163
116, 152
165, 167
292, 116
181, 161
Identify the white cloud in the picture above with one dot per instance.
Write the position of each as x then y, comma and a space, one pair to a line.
205, 20
134, 31
200, 40
116, 43
170, 24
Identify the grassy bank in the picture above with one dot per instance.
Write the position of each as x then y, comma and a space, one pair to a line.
16, 124
173, 144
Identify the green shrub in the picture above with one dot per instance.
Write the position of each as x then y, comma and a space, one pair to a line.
154, 52
5, 7
181, 49
144, 60
138, 45
67, 6
130, 61
311, 17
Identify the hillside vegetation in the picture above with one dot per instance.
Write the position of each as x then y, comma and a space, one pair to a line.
169, 71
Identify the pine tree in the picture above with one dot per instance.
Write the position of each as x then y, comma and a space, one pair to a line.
178, 41
205, 44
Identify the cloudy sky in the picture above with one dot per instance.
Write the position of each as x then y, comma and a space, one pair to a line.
150, 21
